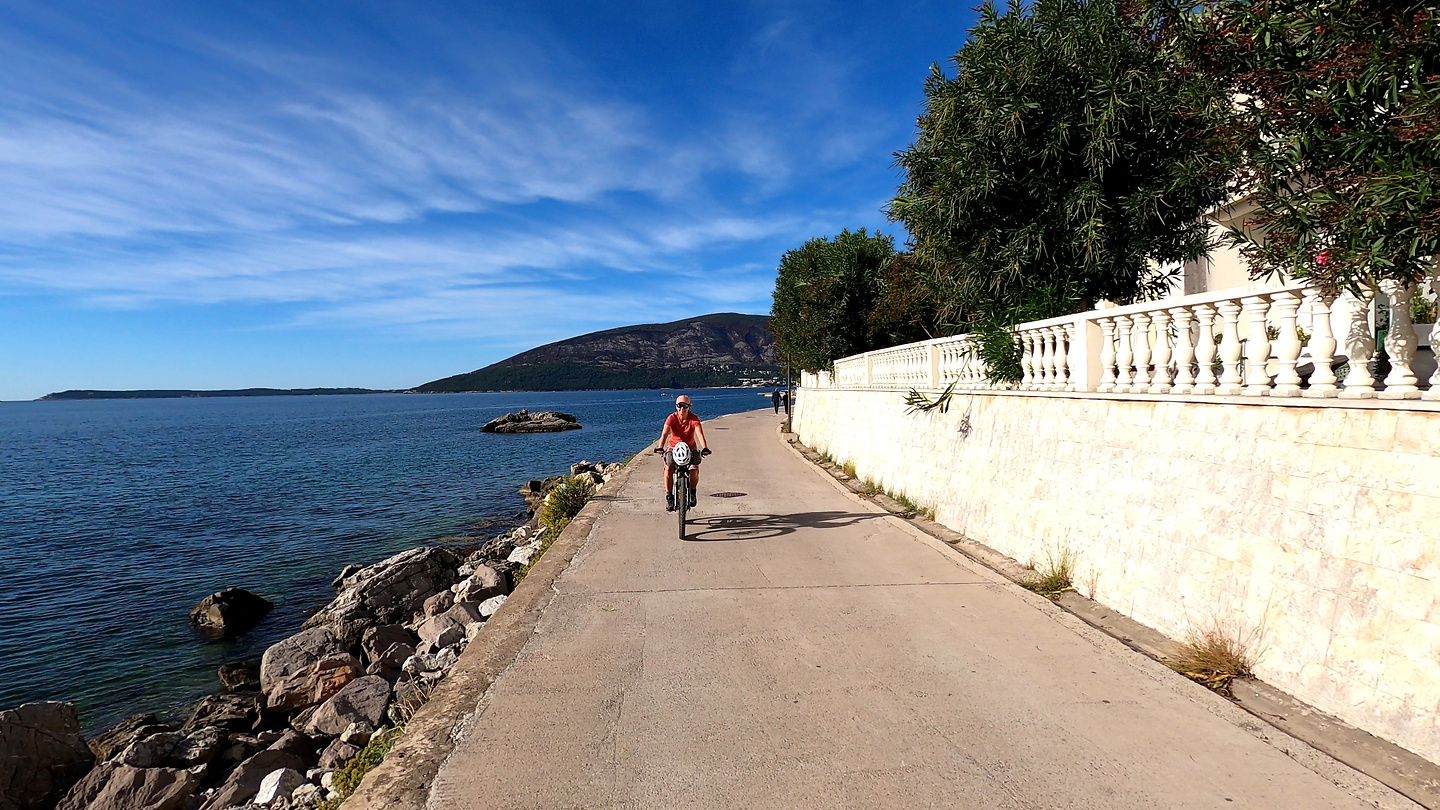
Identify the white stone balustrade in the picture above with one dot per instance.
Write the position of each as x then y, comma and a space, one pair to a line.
1277, 342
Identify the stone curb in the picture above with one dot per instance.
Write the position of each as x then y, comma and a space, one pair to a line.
403, 780
1396, 768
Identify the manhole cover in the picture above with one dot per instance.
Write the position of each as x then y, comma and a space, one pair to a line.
727, 494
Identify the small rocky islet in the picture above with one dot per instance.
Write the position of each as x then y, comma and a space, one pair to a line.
275, 738
523, 421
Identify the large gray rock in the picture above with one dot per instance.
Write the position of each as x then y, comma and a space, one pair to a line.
388, 592
150, 751
439, 603
41, 755
292, 750
314, 684
119, 736
278, 784
239, 676
525, 422
380, 638
484, 583
362, 700
237, 711
437, 626
229, 612
199, 747
297, 653
336, 754
114, 786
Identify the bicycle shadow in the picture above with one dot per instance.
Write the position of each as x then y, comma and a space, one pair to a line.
722, 528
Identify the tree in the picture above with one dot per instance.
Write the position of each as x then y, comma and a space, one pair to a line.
1067, 160
824, 293
1337, 117
909, 304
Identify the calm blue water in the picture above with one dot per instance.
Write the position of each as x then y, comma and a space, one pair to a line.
116, 517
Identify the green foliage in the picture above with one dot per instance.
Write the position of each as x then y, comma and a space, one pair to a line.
1000, 351
916, 402
1057, 578
1337, 119
1422, 309
1064, 159
911, 303
825, 291
565, 502
348, 777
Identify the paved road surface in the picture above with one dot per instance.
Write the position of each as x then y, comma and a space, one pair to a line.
803, 651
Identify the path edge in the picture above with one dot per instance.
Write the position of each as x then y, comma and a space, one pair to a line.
403, 780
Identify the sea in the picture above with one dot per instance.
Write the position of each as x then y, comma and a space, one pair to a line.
118, 516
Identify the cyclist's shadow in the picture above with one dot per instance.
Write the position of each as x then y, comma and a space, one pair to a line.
764, 527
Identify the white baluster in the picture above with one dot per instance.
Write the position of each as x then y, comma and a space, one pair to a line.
1052, 359
1160, 381
1184, 351
1065, 338
1288, 346
1434, 392
1124, 355
1359, 347
1257, 349
1140, 344
1400, 343
1046, 367
1107, 356
1204, 350
1321, 345
1027, 361
1231, 383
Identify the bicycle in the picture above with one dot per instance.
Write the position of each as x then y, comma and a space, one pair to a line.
681, 457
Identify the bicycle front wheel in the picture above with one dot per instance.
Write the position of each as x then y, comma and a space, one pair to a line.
682, 499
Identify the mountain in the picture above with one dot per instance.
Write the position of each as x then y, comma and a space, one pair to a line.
723, 349
186, 394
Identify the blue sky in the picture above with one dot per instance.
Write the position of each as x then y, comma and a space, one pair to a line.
218, 195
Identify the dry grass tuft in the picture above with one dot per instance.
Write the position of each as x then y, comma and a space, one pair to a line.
1057, 578
1216, 655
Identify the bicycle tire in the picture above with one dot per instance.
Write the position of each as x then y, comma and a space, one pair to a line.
682, 498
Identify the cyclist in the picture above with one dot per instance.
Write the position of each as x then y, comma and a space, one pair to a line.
682, 426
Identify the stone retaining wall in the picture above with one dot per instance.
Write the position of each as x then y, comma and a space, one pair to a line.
1317, 527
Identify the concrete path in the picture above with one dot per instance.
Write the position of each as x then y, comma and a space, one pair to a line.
805, 651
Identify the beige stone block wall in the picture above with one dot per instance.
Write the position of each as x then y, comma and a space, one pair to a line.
1316, 528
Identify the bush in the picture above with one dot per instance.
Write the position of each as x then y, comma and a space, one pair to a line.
563, 503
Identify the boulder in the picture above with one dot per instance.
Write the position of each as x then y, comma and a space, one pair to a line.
435, 662
484, 583
198, 747
389, 592
114, 786
338, 583
237, 711
525, 422
314, 684
41, 755
293, 750
297, 653
377, 640
150, 751
362, 700
432, 628
229, 612
307, 795
440, 602
278, 784
524, 555
489, 606
117, 737
358, 734
449, 636
336, 754
239, 676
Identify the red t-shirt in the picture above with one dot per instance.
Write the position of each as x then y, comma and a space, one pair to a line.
682, 428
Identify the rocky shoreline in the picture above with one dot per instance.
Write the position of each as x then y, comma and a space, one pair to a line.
296, 730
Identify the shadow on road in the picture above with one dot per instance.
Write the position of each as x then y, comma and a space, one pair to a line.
762, 527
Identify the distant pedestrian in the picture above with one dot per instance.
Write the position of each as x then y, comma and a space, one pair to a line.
785, 400
775, 399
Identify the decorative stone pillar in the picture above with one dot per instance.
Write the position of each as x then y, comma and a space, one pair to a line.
1107, 355
1184, 351
1359, 347
1065, 336
1160, 380
1231, 383
1287, 347
1125, 327
1204, 350
1322, 345
1047, 358
1140, 343
1257, 349
1400, 342
1434, 393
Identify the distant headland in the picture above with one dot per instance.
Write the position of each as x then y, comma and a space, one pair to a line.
184, 394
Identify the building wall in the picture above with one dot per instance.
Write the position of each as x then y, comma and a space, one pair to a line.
1317, 528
